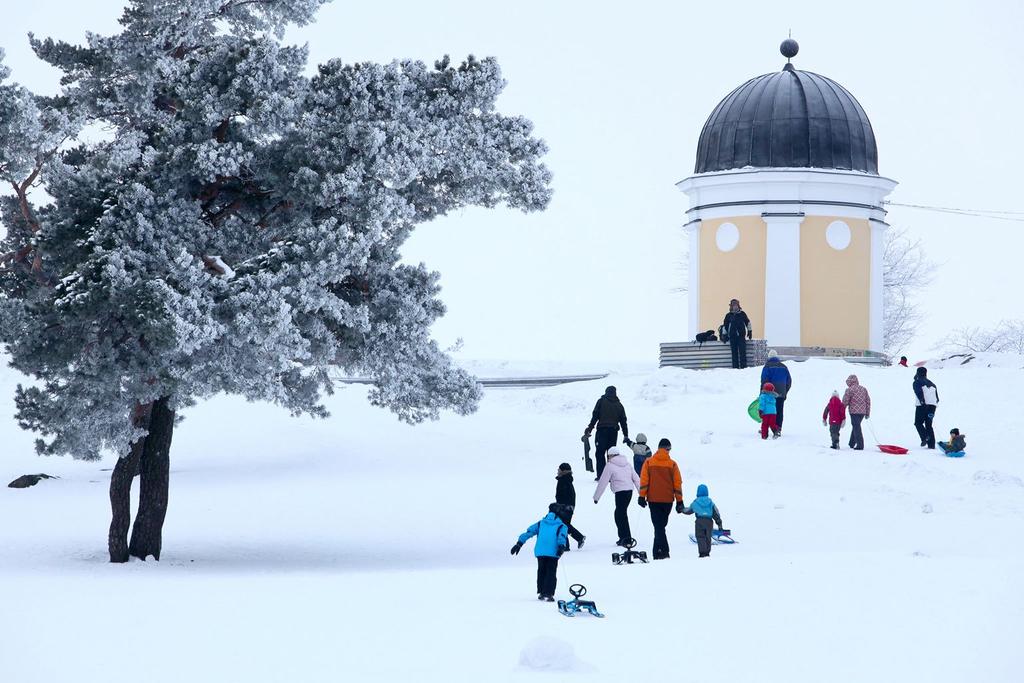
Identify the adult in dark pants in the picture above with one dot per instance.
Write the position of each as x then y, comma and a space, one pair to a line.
927, 400
736, 329
858, 401
623, 478
660, 484
776, 372
565, 496
608, 416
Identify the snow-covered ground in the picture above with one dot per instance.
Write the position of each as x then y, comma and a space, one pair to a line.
361, 549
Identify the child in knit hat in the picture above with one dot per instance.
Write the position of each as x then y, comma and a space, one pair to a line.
835, 417
641, 451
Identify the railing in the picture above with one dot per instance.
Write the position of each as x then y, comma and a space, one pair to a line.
697, 356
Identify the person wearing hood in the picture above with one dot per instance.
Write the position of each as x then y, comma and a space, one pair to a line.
776, 372
619, 473
661, 483
736, 330
927, 400
552, 534
706, 512
608, 416
858, 401
565, 495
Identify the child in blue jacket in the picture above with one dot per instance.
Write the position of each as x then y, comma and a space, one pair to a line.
706, 512
766, 409
552, 537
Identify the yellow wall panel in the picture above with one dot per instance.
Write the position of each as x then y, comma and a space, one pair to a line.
736, 274
834, 285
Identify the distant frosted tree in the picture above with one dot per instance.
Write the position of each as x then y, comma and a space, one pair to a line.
1007, 336
237, 229
906, 272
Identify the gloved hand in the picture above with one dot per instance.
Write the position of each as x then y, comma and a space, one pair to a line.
750, 335
641, 501
626, 440
824, 423
561, 550
866, 416
516, 548
595, 501
760, 414
679, 506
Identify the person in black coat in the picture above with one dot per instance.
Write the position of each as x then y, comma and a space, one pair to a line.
736, 329
927, 399
565, 496
608, 415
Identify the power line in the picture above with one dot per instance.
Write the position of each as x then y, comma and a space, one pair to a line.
976, 213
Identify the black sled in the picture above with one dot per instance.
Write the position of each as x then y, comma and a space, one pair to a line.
630, 556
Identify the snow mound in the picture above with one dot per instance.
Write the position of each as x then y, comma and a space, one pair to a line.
551, 654
996, 478
988, 359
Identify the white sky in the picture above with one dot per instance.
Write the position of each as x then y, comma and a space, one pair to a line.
620, 92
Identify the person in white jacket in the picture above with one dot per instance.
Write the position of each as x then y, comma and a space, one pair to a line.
620, 474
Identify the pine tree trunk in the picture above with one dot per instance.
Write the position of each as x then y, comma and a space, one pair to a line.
154, 471
121, 490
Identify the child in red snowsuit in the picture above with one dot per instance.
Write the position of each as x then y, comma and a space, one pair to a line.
835, 417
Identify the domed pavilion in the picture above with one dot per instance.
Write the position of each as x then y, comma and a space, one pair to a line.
786, 215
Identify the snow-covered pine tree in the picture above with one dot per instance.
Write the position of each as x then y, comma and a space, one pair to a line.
236, 228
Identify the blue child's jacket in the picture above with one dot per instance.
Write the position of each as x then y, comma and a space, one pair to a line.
551, 534
767, 403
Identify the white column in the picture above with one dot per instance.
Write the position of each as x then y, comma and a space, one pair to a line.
876, 301
782, 281
693, 290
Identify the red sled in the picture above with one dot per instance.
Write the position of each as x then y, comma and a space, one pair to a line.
892, 450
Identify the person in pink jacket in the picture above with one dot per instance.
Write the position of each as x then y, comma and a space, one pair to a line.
858, 401
620, 474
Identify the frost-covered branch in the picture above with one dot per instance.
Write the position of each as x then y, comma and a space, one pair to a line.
906, 272
1007, 336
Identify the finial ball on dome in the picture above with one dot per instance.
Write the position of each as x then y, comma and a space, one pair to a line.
789, 48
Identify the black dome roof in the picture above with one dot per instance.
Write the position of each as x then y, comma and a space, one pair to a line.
788, 119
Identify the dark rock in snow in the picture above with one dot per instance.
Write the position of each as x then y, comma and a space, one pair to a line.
26, 480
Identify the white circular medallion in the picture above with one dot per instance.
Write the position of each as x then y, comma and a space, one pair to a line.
727, 237
837, 234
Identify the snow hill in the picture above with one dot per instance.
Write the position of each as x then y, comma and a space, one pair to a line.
361, 549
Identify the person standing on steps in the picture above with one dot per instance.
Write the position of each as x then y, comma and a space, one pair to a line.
776, 372
565, 495
858, 401
660, 484
927, 400
736, 329
623, 479
608, 416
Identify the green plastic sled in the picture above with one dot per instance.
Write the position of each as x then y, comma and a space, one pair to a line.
752, 410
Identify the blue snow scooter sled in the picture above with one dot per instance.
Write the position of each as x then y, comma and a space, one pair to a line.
571, 607
718, 537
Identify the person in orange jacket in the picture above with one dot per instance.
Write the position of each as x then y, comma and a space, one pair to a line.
660, 484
